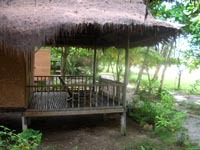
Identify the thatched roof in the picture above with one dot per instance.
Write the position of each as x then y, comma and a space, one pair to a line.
25, 24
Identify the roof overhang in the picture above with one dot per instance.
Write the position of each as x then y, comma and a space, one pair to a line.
84, 23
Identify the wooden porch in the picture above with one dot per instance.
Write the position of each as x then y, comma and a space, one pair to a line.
73, 95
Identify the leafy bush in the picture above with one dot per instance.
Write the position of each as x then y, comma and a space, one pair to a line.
168, 119
143, 112
195, 87
27, 140
150, 87
161, 114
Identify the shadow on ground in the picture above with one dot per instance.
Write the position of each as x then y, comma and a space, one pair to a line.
91, 132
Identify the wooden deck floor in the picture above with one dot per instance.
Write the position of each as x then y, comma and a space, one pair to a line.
60, 104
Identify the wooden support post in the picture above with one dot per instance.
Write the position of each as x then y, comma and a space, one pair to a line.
126, 75
24, 123
123, 123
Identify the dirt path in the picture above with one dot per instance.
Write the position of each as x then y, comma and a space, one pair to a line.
82, 132
193, 120
193, 125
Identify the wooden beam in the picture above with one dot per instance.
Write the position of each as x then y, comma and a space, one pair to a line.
30, 113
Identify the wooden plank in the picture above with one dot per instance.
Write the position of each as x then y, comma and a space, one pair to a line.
30, 113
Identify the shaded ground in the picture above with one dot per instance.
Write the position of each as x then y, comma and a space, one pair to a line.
84, 132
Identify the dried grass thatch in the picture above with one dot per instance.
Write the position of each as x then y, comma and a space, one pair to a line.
25, 24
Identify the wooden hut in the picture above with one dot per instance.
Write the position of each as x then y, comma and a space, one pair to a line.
26, 25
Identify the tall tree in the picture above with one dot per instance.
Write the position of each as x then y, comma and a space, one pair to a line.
185, 12
167, 58
64, 55
141, 72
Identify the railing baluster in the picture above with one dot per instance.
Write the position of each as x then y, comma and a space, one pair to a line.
107, 97
90, 97
95, 91
49, 93
113, 94
118, 97
72, 96
79, 97
83, 90
101, 92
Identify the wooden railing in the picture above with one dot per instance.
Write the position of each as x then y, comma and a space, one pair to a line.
58, 93
57, 80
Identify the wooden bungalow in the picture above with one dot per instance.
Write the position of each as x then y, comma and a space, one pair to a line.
28, 25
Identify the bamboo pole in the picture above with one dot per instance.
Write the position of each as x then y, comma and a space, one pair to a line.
126, 74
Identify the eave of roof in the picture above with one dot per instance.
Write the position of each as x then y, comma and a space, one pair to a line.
26, 24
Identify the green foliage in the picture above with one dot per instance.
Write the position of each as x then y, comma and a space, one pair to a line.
143, 112
184, 12
27, 140
162, 114
168, 119
187, 13
192, 58
112, 60
191, 146
78, 60
150, 87
195, 87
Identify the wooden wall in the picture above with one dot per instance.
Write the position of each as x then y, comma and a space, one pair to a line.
42, 65
12, 80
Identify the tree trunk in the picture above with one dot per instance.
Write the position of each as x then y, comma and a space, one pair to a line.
179, 79
139, 79
165, 67
149, 80
64, 54
155, 76
141, 72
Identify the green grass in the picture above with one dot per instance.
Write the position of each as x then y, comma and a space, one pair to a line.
171, 81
